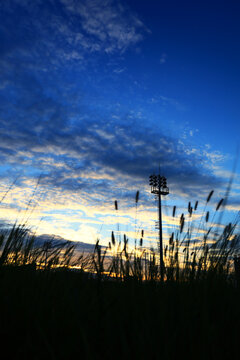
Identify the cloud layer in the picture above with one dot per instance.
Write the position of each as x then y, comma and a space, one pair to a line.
47, 125
55, 122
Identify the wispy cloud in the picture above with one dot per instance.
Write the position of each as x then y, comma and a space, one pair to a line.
109, 24
110, 149
163, 58
168, 101
66, 31
54, 123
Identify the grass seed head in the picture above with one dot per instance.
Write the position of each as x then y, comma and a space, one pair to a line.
113, 239
219, 204
210, 195
137, 196
165, 251
207, 216
182, 220
196, 205
174, 211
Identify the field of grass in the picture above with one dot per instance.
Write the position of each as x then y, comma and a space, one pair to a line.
58, 304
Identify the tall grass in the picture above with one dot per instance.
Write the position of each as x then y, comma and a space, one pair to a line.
194, 250
114, 304
19, 247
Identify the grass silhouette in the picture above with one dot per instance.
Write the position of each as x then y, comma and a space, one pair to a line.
114, 304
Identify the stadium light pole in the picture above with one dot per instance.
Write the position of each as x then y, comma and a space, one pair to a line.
159, 187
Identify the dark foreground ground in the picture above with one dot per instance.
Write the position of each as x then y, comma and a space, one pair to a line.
64, 315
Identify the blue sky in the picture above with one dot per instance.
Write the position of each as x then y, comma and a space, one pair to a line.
95, 94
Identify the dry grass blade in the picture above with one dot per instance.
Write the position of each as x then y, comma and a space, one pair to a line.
8, 190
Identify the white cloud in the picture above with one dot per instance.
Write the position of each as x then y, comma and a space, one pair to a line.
119, 71
105, 25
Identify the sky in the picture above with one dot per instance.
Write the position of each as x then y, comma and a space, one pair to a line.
95, 95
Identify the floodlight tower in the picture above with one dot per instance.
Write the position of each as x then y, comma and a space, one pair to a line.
159, 187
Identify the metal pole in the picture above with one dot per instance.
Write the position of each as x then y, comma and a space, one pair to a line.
160, 231
159, 187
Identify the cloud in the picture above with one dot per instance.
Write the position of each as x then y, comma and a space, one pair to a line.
81, 247
163, 58
108, 149
119, 71
55, 32
54, 122
233, 204
108, 22
76, 144
168, 101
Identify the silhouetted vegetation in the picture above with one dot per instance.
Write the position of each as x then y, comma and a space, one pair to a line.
58, 304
